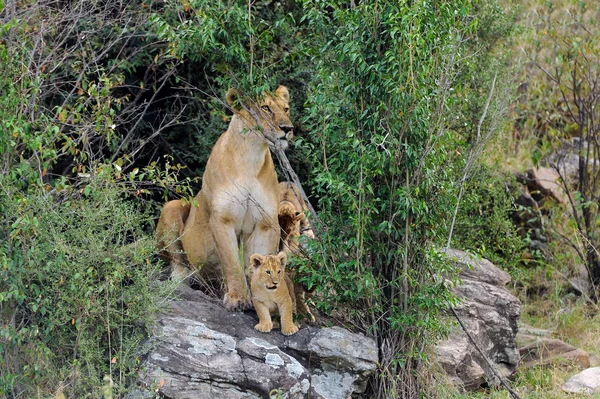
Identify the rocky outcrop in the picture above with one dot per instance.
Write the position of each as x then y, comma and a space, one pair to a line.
490, 313
545, 350
537, 347
586, 382
544, 183
203, 351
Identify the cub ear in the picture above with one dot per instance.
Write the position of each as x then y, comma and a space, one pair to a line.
233, 99
283, 92
282, 258
299, 216
256, 260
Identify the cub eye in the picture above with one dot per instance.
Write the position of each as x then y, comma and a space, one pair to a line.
286, 109
278, 271
269, 272
266, 108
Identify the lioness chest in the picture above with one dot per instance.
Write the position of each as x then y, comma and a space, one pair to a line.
246, 204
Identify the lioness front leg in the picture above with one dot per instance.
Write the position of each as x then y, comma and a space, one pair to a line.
264, 317
237, 295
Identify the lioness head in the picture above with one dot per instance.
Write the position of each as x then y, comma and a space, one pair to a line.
272, 112
268, 269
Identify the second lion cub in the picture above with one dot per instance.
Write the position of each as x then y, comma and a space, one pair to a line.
272, 292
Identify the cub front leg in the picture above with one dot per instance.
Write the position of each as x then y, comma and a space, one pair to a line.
264, 317
285, 312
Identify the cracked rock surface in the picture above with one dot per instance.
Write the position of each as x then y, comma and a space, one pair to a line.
490, 313
203, 351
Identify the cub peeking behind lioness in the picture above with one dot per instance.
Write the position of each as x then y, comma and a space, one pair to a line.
272, 292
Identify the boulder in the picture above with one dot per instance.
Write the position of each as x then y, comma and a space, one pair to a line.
566, 159
203, 351
545, 183
490, 314
586, 382
528, 335
545, 350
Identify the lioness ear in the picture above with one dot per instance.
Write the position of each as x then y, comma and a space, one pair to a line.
283, 92
299, 216
233, 99
256, 260
282, 258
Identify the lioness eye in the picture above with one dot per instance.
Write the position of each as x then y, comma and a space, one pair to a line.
266, 108
286, 109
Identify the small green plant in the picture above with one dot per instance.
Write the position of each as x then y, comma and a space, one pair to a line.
78, 284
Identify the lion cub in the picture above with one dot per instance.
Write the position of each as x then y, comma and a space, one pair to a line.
272, 290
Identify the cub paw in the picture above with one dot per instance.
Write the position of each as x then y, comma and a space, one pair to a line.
308, 317
233, 301
264, 327
289, 330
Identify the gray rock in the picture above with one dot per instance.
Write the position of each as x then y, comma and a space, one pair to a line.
566, 159
528, 335
546, 183
545, 350
586, 382
203, 351
478, 269
490, 314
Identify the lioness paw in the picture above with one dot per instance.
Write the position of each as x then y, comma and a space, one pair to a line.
289, 330
233, 301
264, 327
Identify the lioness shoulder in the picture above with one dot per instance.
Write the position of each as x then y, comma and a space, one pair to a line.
272, 292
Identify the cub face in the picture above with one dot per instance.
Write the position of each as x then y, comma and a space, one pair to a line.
269, 270
289, 219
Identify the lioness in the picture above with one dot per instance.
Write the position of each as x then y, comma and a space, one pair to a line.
272, 292
238, 201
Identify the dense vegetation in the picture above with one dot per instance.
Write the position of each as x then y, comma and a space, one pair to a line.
107, 108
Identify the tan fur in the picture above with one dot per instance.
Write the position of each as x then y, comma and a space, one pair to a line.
271, 292
238, 202
293, 224
292, 220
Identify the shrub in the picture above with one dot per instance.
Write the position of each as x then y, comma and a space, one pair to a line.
79, 290
484, 223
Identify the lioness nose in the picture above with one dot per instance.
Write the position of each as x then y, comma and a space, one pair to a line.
286, 128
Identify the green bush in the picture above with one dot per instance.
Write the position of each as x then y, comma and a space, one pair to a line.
79, 290
484, 225
380, 154
78, 287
